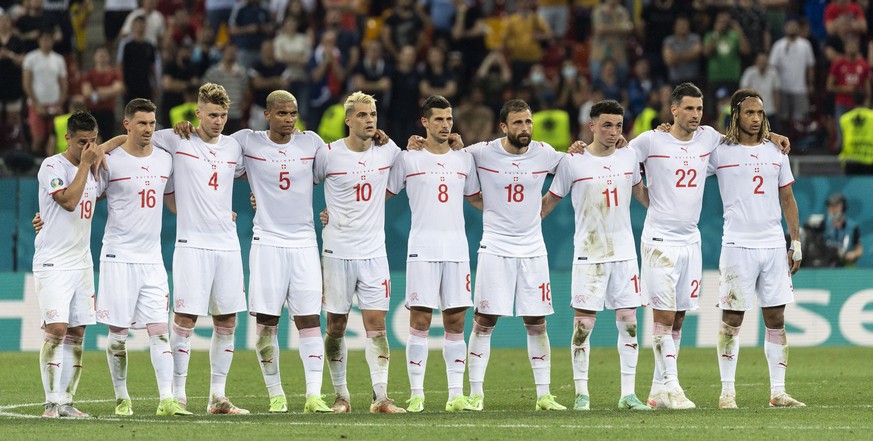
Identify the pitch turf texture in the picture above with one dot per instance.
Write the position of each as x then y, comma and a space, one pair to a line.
834, 382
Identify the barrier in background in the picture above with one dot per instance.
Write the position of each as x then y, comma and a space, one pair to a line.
833, 307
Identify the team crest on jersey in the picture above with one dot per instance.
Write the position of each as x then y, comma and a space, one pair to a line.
57, 183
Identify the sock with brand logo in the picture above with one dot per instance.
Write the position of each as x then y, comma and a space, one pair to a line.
416, 360
220, 358
312, 356
580, 348
455, 355
72, 367
539, 353
116, 355
480, 351
628, 352
267, 347
337, 355
665, 355
728, 347
180, 341
50, 358
776, 352
378, 356
162, 357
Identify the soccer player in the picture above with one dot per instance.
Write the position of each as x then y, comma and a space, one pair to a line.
207, 266
605, 272
513, 264
133, 284
284, 261
437, 179
354, 257
754, 180
62, 265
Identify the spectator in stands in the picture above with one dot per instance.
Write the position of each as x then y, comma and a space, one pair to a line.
639, 87
293, 47
647, 119
154, 22
402, 28
403, 112
115, 14
526, 32
656, 23
468, 35
138, 59
572, 91
218, 13
235, 79
493, 77
45, 83
543, 89
347, 41
441, 15
250, 25
205, 54
556, 14
841, 232
102, 86
58, 12
764, 78
181, 28
473, 119
33, 22
327, 74
585, 133
857, 130
610, 84
12, 92
436, 79
793, 59
842, 15
849, 76
682, 51
373, 76
612, 26
723, 49
752, 18
265, 76
179, 76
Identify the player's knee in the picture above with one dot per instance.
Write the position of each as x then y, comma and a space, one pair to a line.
305, 321
627, 315
270, 320
157, 329
76, 331
119, 331
224, 321
56, 329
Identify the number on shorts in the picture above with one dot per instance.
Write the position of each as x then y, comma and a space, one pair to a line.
387, 284
695, 286
546, 290
636, 280
691, 174
468, 282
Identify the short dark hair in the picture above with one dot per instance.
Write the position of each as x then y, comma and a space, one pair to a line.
81, 121
139, 105
606, 107
434, 102
512, 106
683, 90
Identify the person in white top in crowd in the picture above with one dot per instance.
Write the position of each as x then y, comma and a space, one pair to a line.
754, 179
513, 265
133, 290
437, 180
62, 266
354, 258
605, 271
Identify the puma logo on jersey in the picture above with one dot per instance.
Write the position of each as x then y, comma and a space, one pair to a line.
212, 152
441, 165
146, 169
607, 167
684, 149
282, 152
754, 156
363, 164
50, 166
515, 164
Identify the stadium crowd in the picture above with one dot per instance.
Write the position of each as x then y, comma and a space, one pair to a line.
808, 59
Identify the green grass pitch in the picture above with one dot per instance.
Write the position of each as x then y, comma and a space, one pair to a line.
836, 383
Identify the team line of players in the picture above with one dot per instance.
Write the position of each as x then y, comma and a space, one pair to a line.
193, 172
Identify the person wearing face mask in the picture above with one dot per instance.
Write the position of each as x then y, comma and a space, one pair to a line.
572, 92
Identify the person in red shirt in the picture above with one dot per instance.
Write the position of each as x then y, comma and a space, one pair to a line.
841, 14
101, 87
848, 77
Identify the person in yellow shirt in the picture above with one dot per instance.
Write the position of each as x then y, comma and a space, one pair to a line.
525, 33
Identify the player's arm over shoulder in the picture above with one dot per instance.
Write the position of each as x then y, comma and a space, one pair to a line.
166, 140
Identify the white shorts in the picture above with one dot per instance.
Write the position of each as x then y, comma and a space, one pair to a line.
613, 284
132, 295
208, 282
284, 276
502, 281
747, 272
438, 285
66, 296
671, 276
368, 278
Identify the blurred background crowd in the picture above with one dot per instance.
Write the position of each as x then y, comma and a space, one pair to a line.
807, 57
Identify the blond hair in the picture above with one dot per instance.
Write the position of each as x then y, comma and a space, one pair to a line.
280, 96
358, 97
211, 93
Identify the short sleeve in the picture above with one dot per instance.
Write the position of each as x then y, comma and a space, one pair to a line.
638, 177
319, 166
555, 157
640, 146
786, 177
397, 174
563, 182
471, 185
166, 140
169, 187
52, 177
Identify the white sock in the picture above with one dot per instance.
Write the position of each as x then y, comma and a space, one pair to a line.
337, 358
51, 356
71, 371
479, 352
455, 355
220, 358
539, 353
665, 355
628, 354
116, 355
580, 347
728, 347
677, 340
378, 357
162, 362
312, 356
267, 347
180, 341
776, 351
416, 360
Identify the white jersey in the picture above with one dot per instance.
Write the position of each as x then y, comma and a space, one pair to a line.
436, 186
135, 188
65, 240
281, 177
354, 190
203, 177
749, 179
512, 188
602, 189
675, 175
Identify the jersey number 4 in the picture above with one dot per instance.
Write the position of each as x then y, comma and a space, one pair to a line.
213, 181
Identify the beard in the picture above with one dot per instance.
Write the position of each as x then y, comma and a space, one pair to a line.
516, 142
